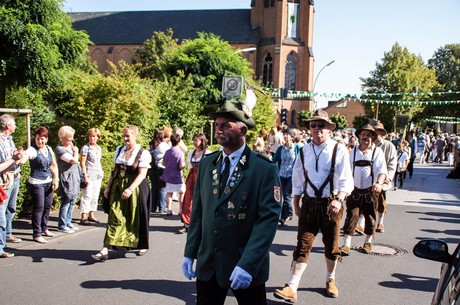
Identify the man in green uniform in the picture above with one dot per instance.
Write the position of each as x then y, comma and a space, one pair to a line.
236, 206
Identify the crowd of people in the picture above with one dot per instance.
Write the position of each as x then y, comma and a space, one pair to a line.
315, 173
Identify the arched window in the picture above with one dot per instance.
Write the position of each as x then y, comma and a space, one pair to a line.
290, 74
267, 73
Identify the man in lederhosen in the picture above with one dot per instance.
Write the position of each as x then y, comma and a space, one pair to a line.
389, 150
322, 179
369, 172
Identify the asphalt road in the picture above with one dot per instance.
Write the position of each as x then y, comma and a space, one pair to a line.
62, 272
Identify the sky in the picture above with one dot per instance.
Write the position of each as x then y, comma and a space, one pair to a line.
355, 34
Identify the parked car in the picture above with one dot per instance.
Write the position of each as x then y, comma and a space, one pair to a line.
448, 290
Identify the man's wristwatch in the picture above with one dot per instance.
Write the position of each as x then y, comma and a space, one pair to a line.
340, 200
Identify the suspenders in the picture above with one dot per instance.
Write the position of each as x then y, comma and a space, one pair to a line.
329, 179
362, 163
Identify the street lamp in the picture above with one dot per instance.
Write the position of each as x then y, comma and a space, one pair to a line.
316, 78
246, 50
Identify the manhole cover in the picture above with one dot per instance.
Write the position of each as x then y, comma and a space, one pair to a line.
383, 250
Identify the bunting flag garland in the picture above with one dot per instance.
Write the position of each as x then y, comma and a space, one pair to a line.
444, 119
379, 98
407, 103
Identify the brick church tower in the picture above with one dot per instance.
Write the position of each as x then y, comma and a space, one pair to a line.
284, 52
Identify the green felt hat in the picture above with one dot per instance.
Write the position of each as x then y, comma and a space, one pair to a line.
237, 111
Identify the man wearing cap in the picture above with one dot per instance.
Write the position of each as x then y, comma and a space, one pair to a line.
389, 151
369, 172
236, 205
321, 179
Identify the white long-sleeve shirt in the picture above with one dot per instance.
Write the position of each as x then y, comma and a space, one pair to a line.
362, 174
343, 178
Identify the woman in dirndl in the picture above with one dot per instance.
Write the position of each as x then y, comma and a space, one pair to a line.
193, 159
128, 196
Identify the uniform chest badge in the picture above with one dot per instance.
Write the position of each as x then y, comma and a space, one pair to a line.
277, 193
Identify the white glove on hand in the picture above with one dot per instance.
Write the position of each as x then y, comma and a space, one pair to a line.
187, 267
240, 279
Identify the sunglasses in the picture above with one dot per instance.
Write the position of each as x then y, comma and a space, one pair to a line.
319, 125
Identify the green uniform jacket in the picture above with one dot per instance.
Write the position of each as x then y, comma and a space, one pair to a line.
236, 229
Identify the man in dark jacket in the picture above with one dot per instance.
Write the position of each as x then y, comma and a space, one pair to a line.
236, 205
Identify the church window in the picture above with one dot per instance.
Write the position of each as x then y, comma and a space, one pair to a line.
290, 73
267, 74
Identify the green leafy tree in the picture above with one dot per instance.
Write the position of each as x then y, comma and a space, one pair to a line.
153, 54
399, 72
37, 43
359, 121
340, 121
304, 115
263, 114
177, 105
189, 80
207, 59
446, 62
107, 102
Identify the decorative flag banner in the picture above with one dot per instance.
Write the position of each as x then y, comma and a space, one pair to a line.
380, 98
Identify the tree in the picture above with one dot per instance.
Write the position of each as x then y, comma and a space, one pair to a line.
304, 115
339, 120
207, 59
153, 54
399, 72
37, 43
359, 121
189, 80
446, 62
263, 114
177, 104
107, 102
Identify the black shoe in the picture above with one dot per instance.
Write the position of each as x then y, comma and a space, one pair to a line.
84, 222
93, 220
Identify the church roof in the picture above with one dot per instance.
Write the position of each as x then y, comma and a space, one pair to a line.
233, 26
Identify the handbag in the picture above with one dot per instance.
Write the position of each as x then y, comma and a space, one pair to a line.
7, 179
82, 177
3, 195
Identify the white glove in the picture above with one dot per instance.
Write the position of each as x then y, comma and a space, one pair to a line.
187, 267
240, 279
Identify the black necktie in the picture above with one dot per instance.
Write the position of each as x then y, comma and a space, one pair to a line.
224, 176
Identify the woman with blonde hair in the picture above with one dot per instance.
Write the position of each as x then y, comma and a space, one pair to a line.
128, 197
259, 144
91, 166
69, 176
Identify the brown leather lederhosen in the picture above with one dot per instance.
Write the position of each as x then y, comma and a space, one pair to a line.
361, 201
314, 216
